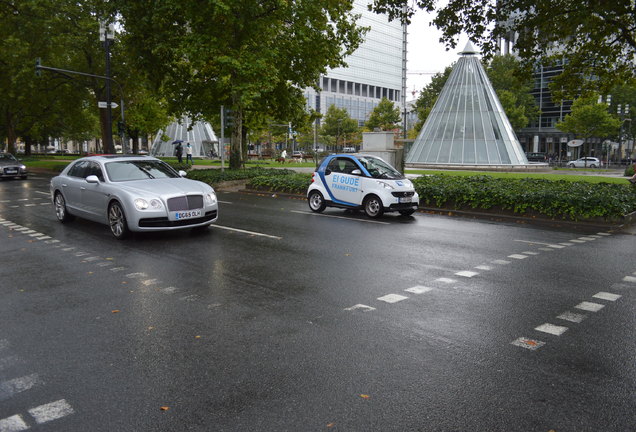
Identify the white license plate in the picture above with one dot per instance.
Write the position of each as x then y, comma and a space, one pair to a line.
11, 171
404, 199
187, 214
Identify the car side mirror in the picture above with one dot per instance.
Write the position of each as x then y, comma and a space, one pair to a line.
356, 172
182, 173
327, 171
92, 179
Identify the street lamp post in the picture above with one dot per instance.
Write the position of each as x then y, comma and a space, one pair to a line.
623, 113
107, 34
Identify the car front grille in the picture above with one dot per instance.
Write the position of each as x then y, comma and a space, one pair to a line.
187, 202
402, 194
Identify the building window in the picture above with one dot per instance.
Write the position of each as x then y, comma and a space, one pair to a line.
334, 85
372, 91
391, 94
365, 90
325, 83
341, 87
357, 89
349, 87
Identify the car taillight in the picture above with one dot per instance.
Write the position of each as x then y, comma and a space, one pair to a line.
312, 177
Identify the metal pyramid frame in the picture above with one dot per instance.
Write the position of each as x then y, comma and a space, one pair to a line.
467, 125
199, 134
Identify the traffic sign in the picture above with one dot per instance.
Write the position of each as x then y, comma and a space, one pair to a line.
105, 105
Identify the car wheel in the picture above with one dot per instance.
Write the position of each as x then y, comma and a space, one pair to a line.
592, 165
117, 221
60, 208
408, 212
373, 206
571, 165
316, 201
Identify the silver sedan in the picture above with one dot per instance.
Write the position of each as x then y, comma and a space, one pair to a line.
10, 167
132, 193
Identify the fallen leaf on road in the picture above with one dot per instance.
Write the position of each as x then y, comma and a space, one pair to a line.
164, 408
363, 396
330, 425
115, 311
197, 337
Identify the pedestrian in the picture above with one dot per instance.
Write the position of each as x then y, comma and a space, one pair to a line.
283, 155
179, 153
189, 153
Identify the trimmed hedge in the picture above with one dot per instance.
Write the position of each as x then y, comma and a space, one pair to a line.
296, 183
215, 176
555, 199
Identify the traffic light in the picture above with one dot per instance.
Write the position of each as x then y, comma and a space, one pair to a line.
228, 117
38, 63
120, 128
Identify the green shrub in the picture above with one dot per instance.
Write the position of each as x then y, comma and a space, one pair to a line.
293, 183
629, 171
215, 176
555, 199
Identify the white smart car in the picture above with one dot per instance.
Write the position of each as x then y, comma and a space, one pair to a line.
361, 182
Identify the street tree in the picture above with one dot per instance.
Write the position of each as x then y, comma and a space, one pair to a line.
513, 82
428, 96
243, 54
588, 119
385, 116
596, 37
336, 124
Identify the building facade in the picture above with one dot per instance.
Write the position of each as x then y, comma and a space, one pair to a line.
376, 70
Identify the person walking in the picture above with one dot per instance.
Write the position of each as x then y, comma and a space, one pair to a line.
189, 153
179, 153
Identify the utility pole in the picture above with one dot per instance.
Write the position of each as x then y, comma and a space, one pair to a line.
106, 34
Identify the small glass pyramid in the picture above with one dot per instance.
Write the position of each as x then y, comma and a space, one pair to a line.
467, 125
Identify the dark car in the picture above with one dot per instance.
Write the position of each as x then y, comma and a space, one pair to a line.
10, 167
537, 157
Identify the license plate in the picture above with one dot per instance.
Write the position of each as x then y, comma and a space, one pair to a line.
187, 214
11, 171
404, 200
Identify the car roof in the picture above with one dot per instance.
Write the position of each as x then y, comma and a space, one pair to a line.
112, 157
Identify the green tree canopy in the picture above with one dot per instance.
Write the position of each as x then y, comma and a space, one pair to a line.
337, 123
596, 37
385, 116
428, 96
250, 55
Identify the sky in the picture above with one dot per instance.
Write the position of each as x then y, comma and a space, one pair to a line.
426, 53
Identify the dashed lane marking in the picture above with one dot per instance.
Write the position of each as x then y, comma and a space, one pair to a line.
392, 298
606, 296
530, 253
51, 411
17, 385
419, 289
604, 234
14, 423
466, 273
629, 279
577, 241
483, 267
340, 217
445, 280
518, 256
556, 246
546, 249
501, 262
551, 329
572, 317
566, 244
589, 306
365, 308
527, 343
587, 238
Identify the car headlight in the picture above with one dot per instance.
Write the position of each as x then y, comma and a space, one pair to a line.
22, 167
408, 183
385, 185
210, 198
142, 204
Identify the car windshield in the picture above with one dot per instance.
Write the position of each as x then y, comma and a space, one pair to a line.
379, 169
7, 157
139, 170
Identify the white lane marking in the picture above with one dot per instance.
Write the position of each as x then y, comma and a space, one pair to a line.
466, 273
168, 290
149, 282
224, 202
30, 205
89, 259
518, 256
340, 217
246, 232
556, 246
23, 199
17, 385
502, 262
577, 241
566, 244
587, 238
118, 269
105, 264
589, 306
392, 298
546, 249
629, 278
530, 253
45, 203
606, 296
551, 329
527, 343
81, 254
14, 423
68, 249
604, 234
20, 229
29, 231
51, 411
445, 280
360, 306
44, 237
419, 289
483, 267
136, 275
52, 241
36, 234
48, 194
572, 317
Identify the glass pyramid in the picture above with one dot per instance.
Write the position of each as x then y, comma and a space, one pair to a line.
467, 125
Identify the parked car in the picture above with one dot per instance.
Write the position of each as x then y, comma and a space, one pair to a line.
589, 162
298, 155
10, 167
349, 150
132, 193
361, 182
537, 157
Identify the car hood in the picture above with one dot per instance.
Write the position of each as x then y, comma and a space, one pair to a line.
10, 163
165, 187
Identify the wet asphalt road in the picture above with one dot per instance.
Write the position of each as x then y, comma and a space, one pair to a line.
281, 320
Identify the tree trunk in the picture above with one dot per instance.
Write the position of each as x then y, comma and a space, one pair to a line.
236, 153
28, 141
109, 147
